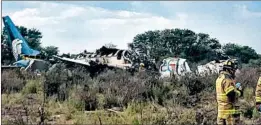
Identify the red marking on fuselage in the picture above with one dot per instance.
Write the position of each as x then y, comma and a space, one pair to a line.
173, 66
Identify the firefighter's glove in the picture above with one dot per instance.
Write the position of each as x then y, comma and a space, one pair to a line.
238, 86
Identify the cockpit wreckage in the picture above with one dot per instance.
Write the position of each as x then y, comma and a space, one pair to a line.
104, 58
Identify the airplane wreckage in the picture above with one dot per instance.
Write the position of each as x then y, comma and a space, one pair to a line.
29, 59
25, 57
110, 58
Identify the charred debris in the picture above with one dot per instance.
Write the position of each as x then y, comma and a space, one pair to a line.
105, 59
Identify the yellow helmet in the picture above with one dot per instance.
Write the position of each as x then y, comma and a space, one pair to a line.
231, 64
141, 64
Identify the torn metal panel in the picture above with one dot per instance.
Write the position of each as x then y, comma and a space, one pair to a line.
211, 67
179, 67
109, 56
37, 65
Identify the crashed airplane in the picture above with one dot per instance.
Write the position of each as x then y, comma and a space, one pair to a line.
111, 58
105, 56
26, 58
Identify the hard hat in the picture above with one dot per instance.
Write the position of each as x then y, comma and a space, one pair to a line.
231, 64
141, 64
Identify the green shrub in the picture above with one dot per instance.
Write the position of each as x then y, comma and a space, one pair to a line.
33, 86
101, 101
248, 94
61, 79
144, 98
135, 122
256, 114
75, 100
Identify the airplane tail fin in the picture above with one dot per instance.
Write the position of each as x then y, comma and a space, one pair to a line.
17, 41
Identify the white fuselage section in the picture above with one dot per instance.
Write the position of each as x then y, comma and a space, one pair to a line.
174, 66
179, 67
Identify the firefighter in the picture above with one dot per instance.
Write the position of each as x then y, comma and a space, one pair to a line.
227, 94
258, 95
141, 68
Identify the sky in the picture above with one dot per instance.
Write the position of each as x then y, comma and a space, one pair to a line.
79, 25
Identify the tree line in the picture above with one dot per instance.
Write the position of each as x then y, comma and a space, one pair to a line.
195, 47
157, 44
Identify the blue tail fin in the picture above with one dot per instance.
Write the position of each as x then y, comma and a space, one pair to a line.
20, 47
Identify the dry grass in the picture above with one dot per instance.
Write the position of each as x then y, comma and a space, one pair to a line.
72, 97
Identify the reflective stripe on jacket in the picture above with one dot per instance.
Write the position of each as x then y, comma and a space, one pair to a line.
258, 91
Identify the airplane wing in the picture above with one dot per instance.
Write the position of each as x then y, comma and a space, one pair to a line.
72, 60
31, 64
88, 64
18, 64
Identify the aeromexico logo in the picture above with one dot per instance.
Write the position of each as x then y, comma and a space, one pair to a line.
169, 65
17, 48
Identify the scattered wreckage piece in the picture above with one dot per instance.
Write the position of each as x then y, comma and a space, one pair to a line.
213, 67
179, 67
37, 65
210, 68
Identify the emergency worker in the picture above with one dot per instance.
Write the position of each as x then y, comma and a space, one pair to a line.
258, 95
227, 93
142, 67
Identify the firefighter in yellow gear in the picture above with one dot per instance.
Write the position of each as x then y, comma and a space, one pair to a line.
258, 95
142, 67
227, 94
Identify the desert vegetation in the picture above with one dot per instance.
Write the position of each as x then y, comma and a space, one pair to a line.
70, 96
67, 95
